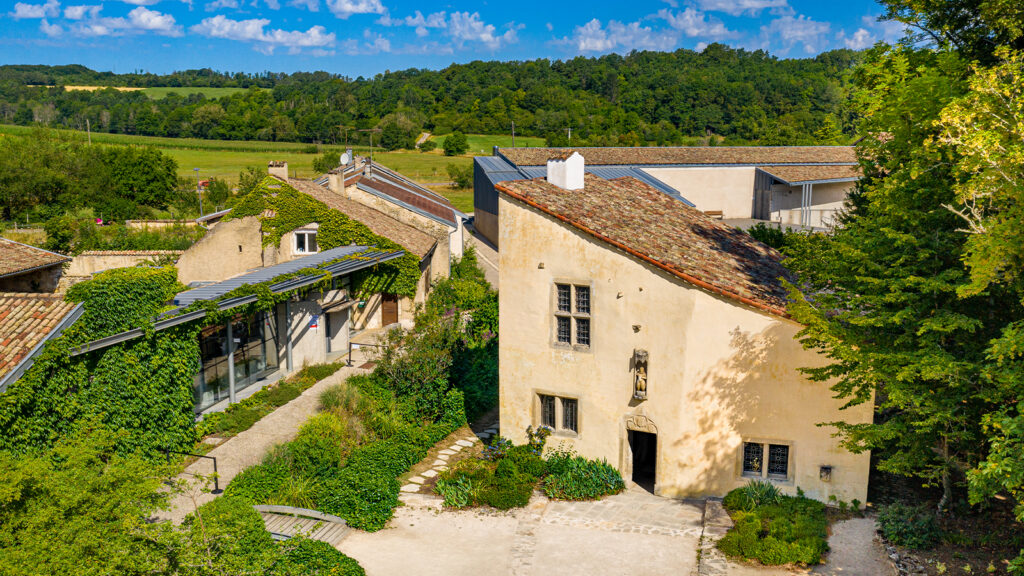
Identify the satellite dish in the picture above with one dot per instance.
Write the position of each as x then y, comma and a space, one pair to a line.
345, 159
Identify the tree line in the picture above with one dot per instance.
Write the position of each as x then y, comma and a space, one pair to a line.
643, 98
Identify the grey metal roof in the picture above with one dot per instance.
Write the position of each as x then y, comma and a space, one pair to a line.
215, 291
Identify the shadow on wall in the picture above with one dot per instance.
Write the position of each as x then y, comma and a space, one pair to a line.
720, 400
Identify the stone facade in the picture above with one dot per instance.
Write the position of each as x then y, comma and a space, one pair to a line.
718, 373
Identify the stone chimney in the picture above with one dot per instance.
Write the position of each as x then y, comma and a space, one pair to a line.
278, 168
566, 170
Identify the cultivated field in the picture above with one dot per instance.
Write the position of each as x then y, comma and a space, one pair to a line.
224, 159
157, 93
481, 144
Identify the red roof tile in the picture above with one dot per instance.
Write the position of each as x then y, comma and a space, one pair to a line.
651, 155
17, 258
795, 174
25, 321
662, 231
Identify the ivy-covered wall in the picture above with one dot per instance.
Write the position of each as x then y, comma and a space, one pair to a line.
283, 209
143, 386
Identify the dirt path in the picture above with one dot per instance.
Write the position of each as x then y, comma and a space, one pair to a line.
423, 138
249, 447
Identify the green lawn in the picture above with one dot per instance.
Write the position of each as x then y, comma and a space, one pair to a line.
481, 144
162, 92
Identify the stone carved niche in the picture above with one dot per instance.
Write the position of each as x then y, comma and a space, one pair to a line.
641, 423
640, 358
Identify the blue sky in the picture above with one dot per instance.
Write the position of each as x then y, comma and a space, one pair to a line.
365, 37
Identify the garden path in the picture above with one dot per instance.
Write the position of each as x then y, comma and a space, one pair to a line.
486, 255
249, 447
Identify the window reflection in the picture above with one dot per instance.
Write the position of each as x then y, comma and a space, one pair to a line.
255, 343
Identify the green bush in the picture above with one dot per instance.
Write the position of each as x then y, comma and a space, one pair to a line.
527, 462
390, 456
580, 479
457, 492
507, 491
321, 445
258, 484
283, 394
234, 525
313, 557
781, 530
366, 498
908, 526
754, 494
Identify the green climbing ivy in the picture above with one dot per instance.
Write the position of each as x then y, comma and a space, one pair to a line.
143, 386
281, 209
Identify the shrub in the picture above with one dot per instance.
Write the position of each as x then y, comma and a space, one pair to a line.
909, 526
314, 557
390, 456
364, 497
282, 394
455, 144
258, 484
318, 372
507, 491
457, 492
234, 525
428, 145
527, 461
754, 494
583, 479
779, 530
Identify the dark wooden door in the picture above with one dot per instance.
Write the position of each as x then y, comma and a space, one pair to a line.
389, 309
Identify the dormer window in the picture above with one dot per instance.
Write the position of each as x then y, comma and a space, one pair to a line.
305, 242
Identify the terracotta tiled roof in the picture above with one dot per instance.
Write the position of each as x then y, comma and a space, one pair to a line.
417, 242
796, 174
17, 258
25, 321
663, 231
744, 155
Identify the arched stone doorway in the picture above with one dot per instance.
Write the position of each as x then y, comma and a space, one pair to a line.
642, 441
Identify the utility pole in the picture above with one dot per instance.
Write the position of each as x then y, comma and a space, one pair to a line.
570, 136
345, 129
513, 133
88, 131
199, 192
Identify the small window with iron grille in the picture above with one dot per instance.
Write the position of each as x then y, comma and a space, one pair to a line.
569, 414
547, 411
572, 314
778, 461
753, 458
559, 413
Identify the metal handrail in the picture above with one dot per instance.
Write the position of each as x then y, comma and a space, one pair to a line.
349, 362
216, 484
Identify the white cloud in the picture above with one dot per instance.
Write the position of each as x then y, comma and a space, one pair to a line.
219, 4
593, 37
345, 8
49, 10
550, 26
79, 12
461, 27
51, 30
311, 5
140, 2
693, 22
860, 40
738, 7
466, 27
793, 31
139, 20
265, 41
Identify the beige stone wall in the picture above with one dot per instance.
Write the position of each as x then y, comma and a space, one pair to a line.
158, 224
720, 373
88, 263
826, 201
230, 249
728, 189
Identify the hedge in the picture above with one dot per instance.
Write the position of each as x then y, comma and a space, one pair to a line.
787, 530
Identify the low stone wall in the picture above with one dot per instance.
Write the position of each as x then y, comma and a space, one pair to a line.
88, 263
156, 224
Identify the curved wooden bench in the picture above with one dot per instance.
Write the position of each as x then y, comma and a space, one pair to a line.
284, 522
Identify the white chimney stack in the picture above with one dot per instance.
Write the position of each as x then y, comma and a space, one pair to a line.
278, 168
566, 171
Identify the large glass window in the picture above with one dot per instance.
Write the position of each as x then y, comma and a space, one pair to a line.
255, 344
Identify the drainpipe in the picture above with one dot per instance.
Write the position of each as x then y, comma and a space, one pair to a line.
231, 364
288, 334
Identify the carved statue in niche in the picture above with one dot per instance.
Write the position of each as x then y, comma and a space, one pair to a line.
640, 374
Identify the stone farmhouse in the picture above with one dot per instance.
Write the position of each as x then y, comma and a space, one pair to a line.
650, 334
25, 268
790, 186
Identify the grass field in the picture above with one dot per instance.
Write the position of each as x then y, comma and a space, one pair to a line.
481, 144
224, 159
158, 93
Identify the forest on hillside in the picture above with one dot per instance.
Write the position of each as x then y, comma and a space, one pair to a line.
644, 98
